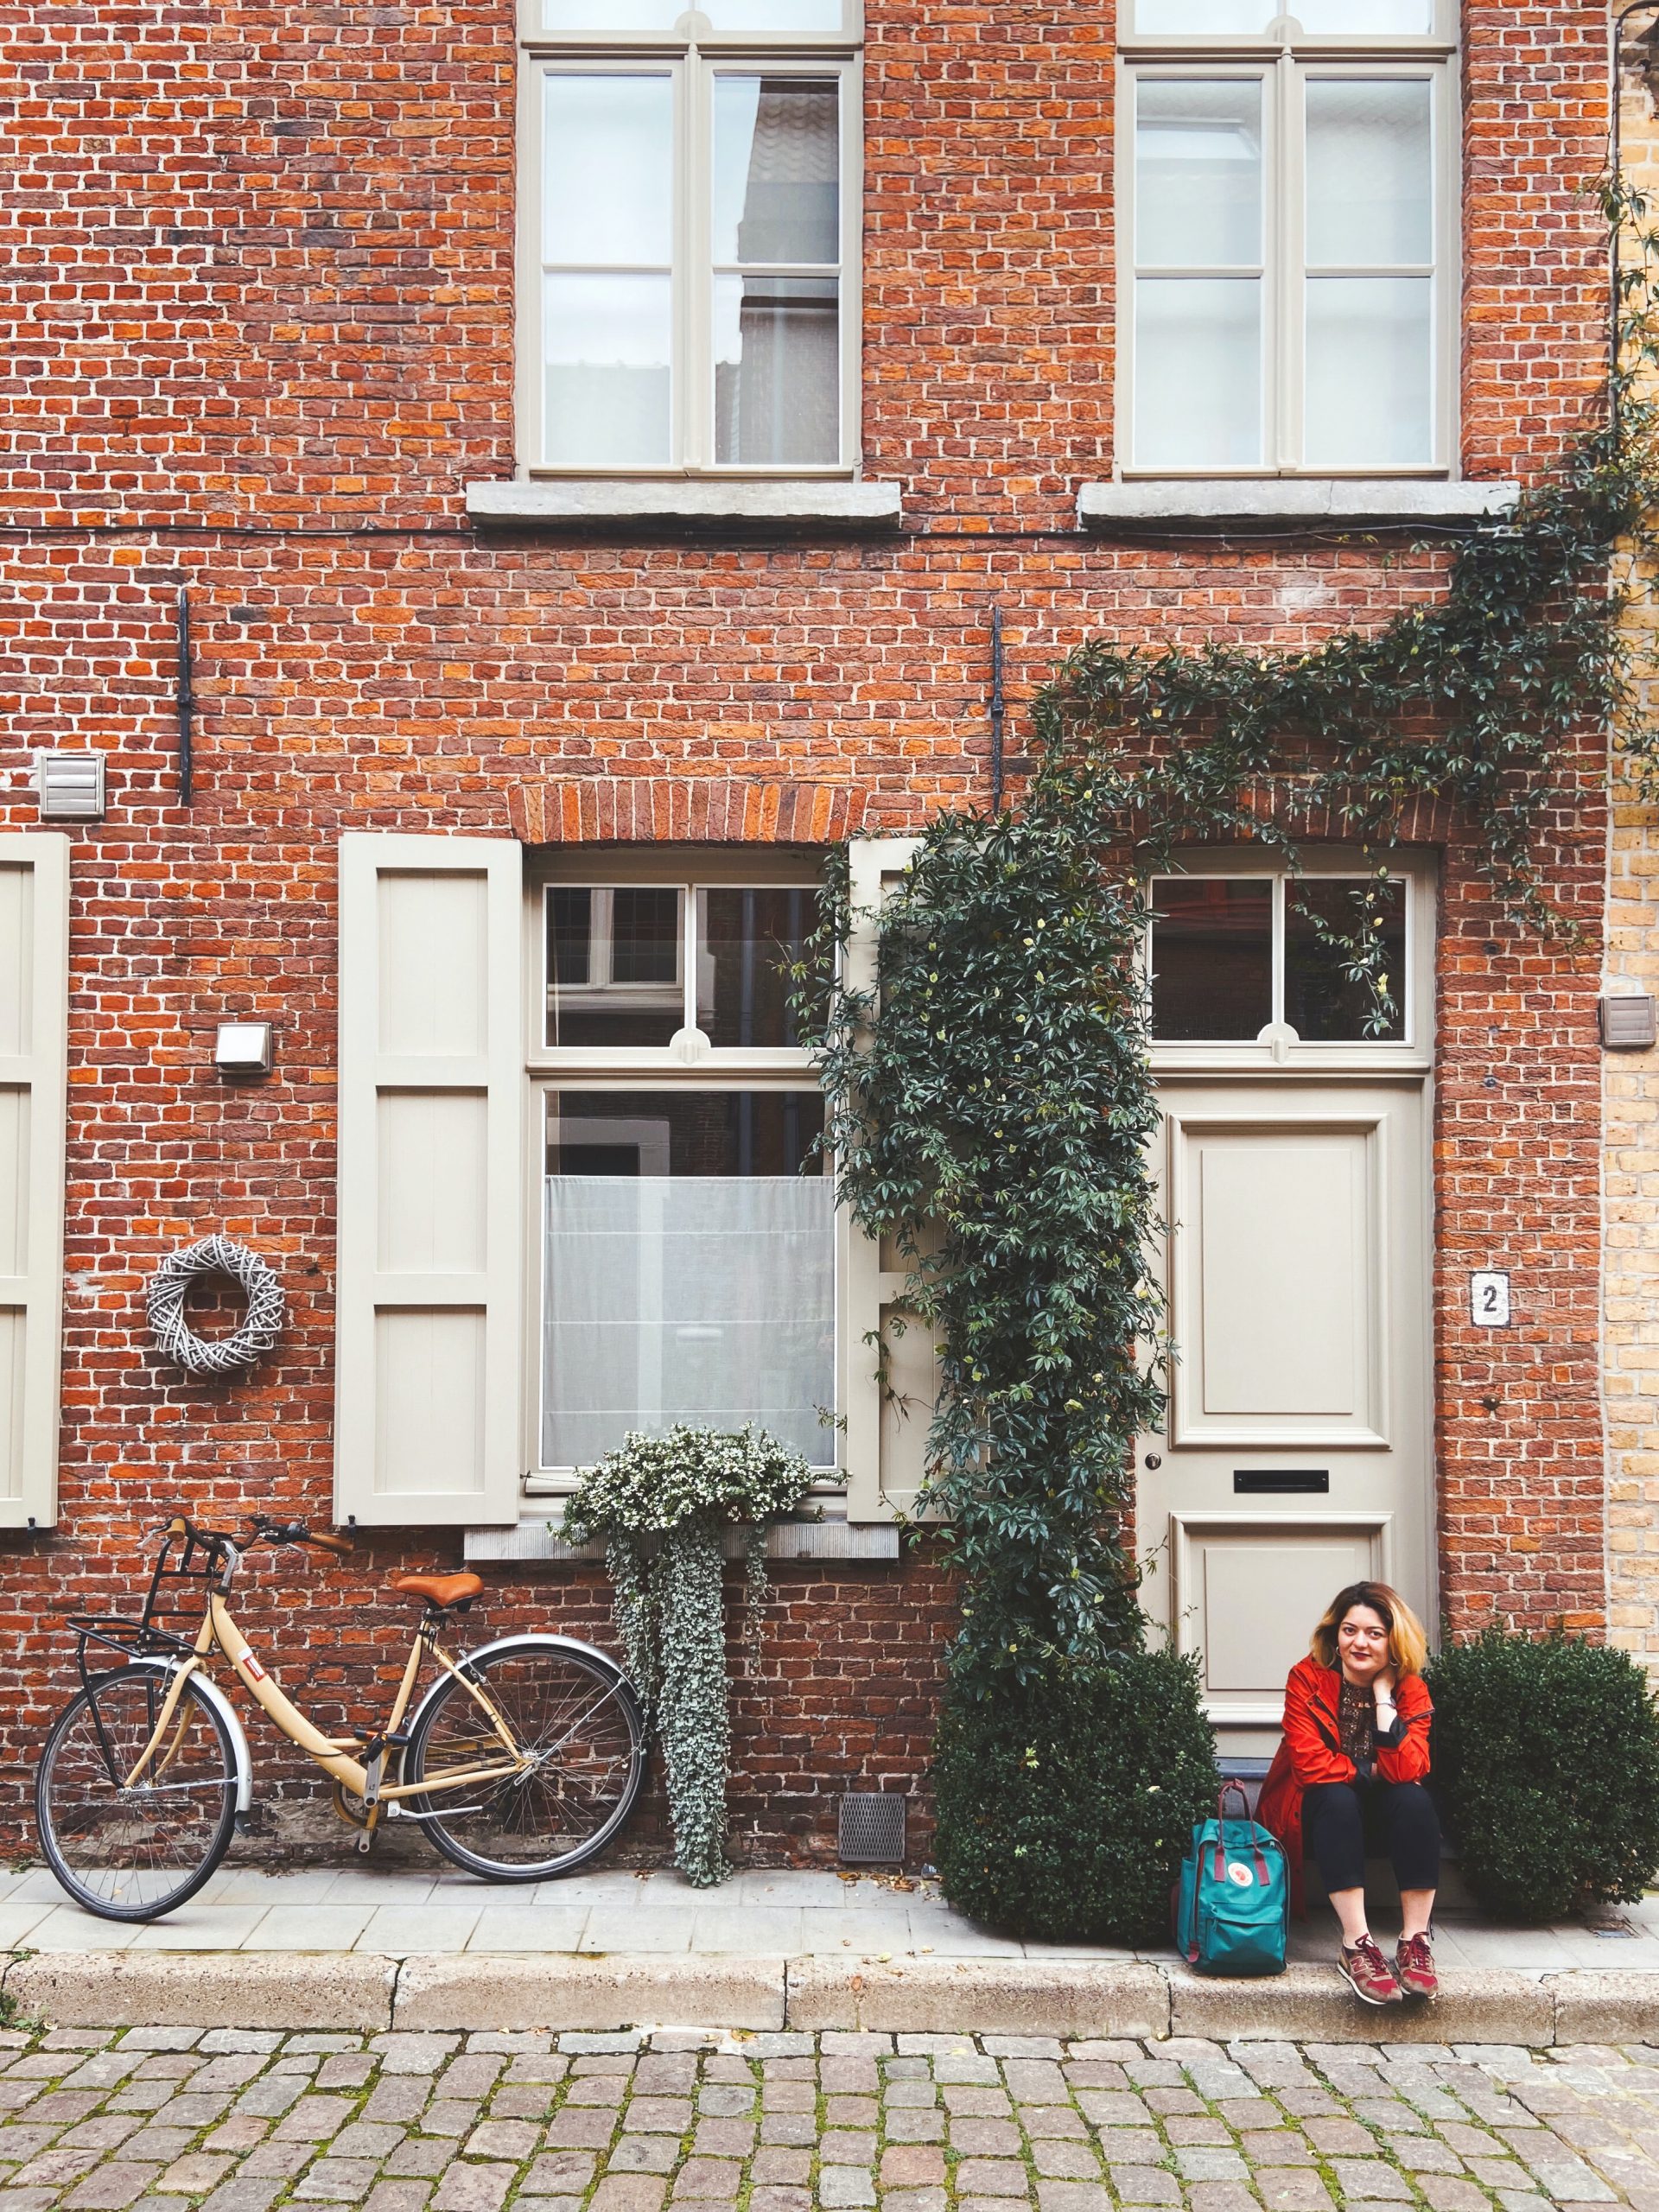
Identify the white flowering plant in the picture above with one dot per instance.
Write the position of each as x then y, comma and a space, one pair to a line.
659, 1503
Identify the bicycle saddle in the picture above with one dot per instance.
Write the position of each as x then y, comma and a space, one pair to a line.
443, 1590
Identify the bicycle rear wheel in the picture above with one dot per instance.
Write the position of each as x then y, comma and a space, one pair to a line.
135, 1853
577, 1723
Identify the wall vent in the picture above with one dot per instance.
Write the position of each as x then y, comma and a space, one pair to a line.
69, 786
1626, 1020
872, 1829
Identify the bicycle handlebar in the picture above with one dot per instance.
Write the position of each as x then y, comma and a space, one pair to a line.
218, 1541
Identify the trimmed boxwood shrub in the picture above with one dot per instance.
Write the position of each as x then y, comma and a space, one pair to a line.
1065, 1808
1547, 1763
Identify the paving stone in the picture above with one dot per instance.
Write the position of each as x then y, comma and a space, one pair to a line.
899, 2095
1220, 2196
912, 2165
476, 2188
195, 2173
1367, 2180
773, 2197
714, 2177
1073, 2197
791, 2167
992, 2177
1065, 2161
800, 2127
401, 2053
420, 2160
1339, 2138
562, 2173
243, 2195
1144, 2185
1131, 2147
371, 2139
996, 2138
842, 2188
658, 2115
645, 2154
723, 2139
1284, 2189
1201, 2162
622, 2193
584, 2131
906, 2200
1448, 2193
337, 2181
516, 2139
397, 2196
112, 2187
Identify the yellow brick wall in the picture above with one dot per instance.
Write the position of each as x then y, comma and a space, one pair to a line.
1630, 1109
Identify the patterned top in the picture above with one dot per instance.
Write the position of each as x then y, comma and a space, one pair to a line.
1359, 1723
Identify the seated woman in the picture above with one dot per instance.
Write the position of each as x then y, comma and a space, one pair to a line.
1351, 1763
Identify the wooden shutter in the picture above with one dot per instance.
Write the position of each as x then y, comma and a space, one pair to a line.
888, 1415
34, 1023
428, 1345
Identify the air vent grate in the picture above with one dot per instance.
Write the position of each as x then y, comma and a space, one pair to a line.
70, 785
872, 1830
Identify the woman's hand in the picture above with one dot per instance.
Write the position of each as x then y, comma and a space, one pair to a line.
1383, 1687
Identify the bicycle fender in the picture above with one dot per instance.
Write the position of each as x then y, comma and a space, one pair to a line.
228, 1713
516, 1643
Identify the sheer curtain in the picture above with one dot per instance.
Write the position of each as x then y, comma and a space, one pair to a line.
707, 1298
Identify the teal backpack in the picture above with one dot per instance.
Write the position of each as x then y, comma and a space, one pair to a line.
1232, 1902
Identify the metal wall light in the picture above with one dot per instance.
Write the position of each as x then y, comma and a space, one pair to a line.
243, 1049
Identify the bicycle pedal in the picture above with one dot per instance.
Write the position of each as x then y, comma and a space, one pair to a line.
365, 1844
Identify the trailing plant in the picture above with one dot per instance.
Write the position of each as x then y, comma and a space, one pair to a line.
1065, 1817
660, 1503
1546, 1758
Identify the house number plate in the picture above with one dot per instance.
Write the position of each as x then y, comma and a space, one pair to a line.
1489, 1299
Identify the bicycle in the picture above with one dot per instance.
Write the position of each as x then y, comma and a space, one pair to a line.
146, 1773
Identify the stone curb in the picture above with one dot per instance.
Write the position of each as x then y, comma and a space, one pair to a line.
1073, 1997
562, 1990
213, 1989
559, 1990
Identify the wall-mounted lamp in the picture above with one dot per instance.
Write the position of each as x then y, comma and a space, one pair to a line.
69, 786
243, 1048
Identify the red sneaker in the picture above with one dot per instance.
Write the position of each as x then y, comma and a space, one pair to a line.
1368, 1973
1413, 1963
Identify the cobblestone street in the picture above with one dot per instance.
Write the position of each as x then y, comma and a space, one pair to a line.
241, 2121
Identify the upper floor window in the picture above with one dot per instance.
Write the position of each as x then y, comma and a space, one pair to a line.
689, 293
1287, 197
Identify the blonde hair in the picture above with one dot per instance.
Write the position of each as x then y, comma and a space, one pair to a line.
1408, 1643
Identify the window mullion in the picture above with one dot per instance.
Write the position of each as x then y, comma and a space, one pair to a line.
691, 237
1289, 240
689, 955
1278, 947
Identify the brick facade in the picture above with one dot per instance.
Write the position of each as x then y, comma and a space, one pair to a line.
261, 339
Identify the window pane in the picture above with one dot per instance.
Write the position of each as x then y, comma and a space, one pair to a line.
799, 16
1322, 1004
1197, 373
745, 939
1369, 367
777, 368
606, 348
689, 1269
614, 965
1211, 958
1198, 173
1370, 174
608, 170
1321, 18
777, 169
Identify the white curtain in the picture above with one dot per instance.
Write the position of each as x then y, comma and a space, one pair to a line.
706, 1298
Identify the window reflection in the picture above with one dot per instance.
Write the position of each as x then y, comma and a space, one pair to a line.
1323, 1004
614, 964
1211, 958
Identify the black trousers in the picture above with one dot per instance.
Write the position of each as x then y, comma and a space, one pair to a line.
1338, 1818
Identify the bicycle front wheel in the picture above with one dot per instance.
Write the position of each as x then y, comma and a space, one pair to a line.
133, 1851
576, 1723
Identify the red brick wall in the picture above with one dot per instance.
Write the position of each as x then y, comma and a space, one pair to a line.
259, 340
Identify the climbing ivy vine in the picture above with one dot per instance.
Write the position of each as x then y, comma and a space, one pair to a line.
990, 1100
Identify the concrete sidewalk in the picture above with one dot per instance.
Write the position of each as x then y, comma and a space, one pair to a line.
373, 1948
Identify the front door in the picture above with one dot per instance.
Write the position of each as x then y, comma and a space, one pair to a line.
1295, 1456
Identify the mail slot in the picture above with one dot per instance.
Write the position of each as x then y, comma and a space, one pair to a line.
1300, 1482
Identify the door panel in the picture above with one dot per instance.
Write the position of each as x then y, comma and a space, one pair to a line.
1297, 1454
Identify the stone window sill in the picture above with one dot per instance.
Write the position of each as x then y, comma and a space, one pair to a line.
876, 1543
1217, 502
591, 504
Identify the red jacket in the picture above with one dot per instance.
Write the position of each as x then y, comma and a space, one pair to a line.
1310, 1750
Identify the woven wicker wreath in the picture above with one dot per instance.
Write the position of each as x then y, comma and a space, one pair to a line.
171, 1284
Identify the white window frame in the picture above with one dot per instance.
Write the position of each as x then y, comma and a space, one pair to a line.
1411, 1052
693, 56
1283, 62
598, 1070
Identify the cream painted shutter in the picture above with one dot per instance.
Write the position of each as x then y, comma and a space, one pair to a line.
887, 1421
428, 1345
33, 1060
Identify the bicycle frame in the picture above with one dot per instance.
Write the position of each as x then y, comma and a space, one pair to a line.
335, 1758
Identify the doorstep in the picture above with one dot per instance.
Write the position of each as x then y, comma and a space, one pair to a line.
372, 1948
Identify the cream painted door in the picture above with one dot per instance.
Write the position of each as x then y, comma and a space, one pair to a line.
1296, 1452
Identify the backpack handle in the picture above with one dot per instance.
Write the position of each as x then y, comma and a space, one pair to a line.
1236, 1789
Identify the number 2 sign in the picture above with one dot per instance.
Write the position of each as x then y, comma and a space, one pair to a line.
1489, 1299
